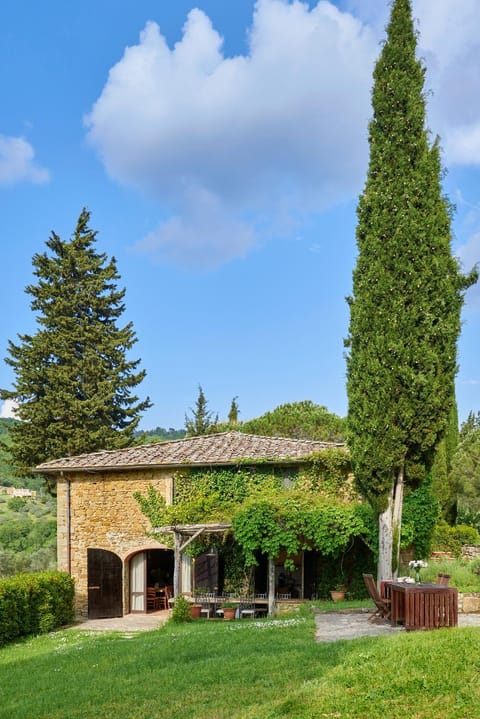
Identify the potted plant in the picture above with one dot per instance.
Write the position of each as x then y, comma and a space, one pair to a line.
195, 611
338, 594
229, 610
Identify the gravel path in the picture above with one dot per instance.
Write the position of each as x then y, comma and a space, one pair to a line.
333, 626
128, 623
330, 626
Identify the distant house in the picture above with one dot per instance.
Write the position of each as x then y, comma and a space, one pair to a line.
19, 492
103, 537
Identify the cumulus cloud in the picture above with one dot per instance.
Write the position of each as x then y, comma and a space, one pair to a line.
17, 162
222, 142
7, 410
469, 256
202, 236
450, 45
469, 253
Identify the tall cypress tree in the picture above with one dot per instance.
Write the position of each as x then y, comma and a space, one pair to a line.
73, 379
407, 294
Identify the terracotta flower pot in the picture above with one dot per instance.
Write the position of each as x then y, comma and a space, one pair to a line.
229, 613
337, 595
195, 611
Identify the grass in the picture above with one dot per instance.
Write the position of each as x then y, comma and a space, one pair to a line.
465, 575
241, 670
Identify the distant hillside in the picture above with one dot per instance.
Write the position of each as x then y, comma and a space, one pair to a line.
28, 534
160, 434
7, 473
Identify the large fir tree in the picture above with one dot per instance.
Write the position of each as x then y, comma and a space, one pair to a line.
407, 294
73, 380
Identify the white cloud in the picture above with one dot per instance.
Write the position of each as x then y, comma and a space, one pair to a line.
277, 132
281, 130
17, 162
204, 235
469, 253
7, 410
469, 256
450, 45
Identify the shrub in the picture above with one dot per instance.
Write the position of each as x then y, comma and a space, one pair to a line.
181, 609
451, 539
467, 516
34, 604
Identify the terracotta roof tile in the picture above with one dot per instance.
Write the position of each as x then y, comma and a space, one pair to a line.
224, 448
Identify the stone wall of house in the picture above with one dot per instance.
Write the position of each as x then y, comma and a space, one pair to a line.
99, 511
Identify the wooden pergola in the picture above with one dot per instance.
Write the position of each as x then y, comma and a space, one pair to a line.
185, 534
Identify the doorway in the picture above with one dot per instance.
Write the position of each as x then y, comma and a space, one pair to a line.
149, 568
104, 581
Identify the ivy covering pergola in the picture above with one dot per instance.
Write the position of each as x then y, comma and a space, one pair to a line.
184, 535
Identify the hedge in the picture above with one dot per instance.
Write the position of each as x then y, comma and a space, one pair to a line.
34, 604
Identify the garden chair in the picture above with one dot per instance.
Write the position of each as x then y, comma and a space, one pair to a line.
162, 597
382, 604
207, 601
247, 608
153, 600
261, 610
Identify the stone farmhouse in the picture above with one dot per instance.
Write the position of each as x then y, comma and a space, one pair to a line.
105, 542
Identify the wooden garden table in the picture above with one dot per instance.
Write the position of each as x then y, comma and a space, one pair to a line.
423, 606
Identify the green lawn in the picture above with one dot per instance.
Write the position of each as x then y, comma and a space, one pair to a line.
247, 670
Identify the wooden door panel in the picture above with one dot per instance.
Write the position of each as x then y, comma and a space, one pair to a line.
104, 584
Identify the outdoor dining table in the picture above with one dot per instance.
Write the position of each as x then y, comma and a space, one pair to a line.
422, 606
218, 600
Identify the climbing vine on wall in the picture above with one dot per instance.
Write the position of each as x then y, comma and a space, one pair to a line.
270, 507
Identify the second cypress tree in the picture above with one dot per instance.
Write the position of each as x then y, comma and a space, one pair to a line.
407, 295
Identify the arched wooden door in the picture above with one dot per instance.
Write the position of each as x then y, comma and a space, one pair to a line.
104, 576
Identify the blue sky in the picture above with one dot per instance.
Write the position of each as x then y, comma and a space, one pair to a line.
220, 147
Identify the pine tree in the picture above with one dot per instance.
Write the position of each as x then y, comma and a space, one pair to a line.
407, 295
73, 379
201, 421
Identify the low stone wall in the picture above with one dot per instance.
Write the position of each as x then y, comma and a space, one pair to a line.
287, 606
469, 603
471, 551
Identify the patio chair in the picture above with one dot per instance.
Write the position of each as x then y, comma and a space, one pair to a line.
247, 608
162, 597
153, 600
382, 604
261, 610
208, 604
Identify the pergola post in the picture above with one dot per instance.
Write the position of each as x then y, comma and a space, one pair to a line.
192, 531
176, 563
271, 587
